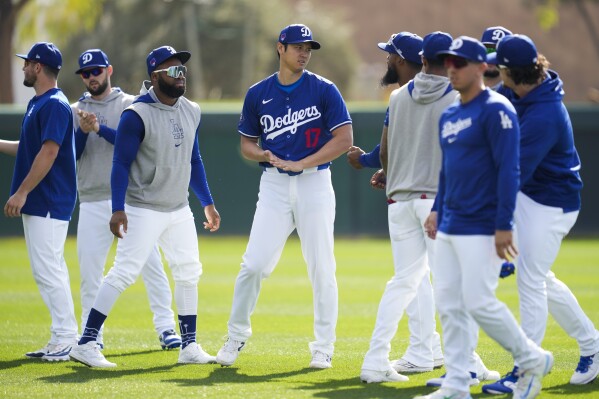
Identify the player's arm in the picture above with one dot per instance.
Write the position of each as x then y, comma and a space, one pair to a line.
384, 157
503, 133
130, 134
342, 140
39, 169
9, 147
251, 150
199, 185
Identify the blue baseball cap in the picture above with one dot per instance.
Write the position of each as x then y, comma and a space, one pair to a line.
297, 33
407, 44
435, 42
494, 34
468, 48
91, 59
514, 51
44, 53
161, 54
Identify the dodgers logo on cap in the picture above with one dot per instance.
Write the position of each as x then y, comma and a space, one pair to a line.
298, 33
92, 58
494, 34
163, 53
468, 48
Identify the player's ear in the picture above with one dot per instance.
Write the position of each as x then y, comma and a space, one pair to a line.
109, 70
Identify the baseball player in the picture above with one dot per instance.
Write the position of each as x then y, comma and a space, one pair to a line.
96, 117
420, 354
547, 204
156, 159
43, 192
474, 208
490, 37
294, 123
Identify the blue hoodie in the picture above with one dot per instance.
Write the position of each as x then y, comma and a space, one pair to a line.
549, 163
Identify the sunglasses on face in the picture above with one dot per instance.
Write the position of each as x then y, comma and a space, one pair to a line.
456, 62
176, 71
95, 72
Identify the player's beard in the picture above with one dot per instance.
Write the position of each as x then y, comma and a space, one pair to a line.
170, 90
29, 80
100, 90
491, 73
390, 77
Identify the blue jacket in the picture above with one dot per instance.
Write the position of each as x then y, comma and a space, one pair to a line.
549, 163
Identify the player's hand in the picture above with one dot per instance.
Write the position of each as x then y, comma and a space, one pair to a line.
118, 223
212, 217
379, 180
430, 225
88, 122
288, 166
353, 157
14, 205
504, 245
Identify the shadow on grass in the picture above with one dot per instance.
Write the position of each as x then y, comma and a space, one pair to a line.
569, 389
230, 375
11, 364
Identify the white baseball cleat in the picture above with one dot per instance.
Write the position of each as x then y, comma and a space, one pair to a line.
372, 376
586, 371
483, 373
437, 382
446, 393
438, 363
43, 351
227, 355
194, 354
403, 366
90, 355
529, 381
60, 353
320, 360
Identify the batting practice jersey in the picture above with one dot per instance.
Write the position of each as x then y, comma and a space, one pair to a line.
479, 175
48, 117
297, 124
549, 162
94, 151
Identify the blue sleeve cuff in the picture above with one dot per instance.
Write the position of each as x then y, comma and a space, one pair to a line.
372, 159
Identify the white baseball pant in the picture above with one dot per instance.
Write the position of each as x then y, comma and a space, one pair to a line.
305, 202
176, 235
45, 238
94, 240
465, 277
411, 251
541, 230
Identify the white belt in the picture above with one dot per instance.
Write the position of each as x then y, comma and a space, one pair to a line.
277, 171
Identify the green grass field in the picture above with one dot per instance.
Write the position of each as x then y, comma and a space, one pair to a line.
274, 362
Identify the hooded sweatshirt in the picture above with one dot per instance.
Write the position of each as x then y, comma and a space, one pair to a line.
94, 151
549, 163
414, 154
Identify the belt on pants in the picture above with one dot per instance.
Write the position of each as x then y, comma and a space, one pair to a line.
282, 172
392, 201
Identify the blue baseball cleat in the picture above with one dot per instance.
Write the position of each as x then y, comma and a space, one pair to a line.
169, 339
504, 385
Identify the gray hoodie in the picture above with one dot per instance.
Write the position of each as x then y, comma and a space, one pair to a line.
414, 153
95, 164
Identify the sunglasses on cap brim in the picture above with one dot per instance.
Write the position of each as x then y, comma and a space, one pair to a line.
175, 71
96, 72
